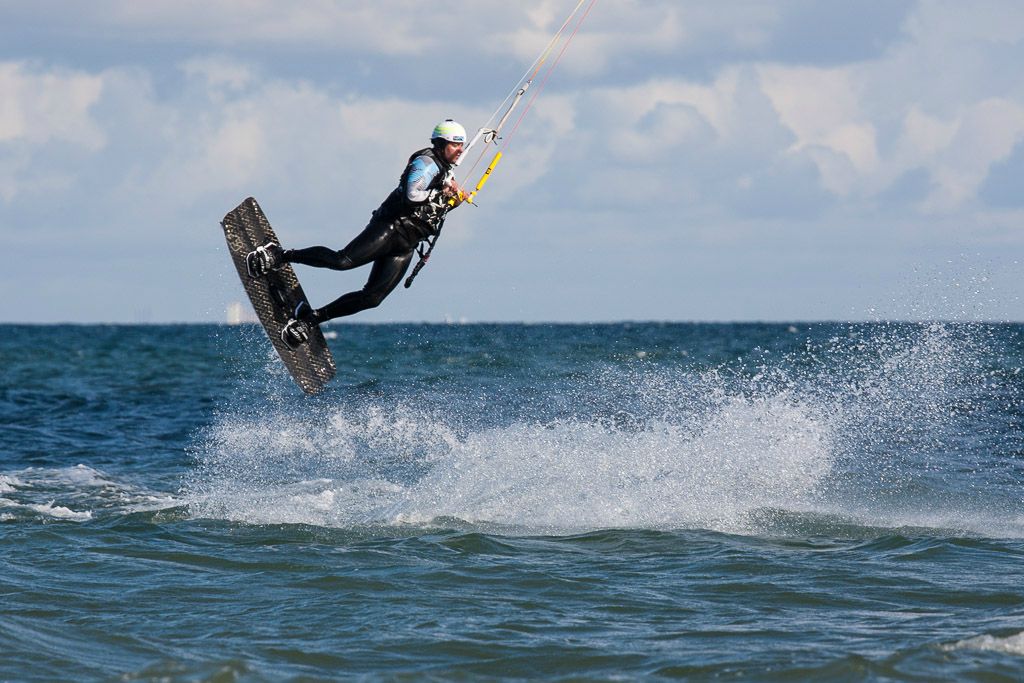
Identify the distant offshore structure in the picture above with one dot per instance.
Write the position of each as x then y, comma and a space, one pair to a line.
239, 313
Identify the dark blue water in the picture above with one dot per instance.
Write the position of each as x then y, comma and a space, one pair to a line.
741, 502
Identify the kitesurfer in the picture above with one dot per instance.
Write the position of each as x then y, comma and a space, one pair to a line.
413, 212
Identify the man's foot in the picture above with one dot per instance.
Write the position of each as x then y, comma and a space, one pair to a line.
295, 333
264, 259
304, 312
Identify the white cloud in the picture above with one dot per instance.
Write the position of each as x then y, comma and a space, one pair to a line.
39, 106
944, 23
41, 110
936, 102
924, 136
822, 108
606, 34
344, 26
643, 123
986, 133
220, 72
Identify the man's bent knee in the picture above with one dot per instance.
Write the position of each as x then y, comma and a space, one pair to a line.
343, 262
373, 299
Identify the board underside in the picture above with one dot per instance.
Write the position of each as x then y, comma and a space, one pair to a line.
275, 296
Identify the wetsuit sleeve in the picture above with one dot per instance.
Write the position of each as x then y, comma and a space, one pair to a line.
422, 172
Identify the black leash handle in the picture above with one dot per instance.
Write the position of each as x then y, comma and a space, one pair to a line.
425, 255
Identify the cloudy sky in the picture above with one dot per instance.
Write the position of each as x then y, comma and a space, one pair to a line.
688, 160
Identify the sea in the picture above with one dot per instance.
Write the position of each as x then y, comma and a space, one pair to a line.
502, 502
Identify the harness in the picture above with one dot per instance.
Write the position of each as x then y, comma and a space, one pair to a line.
431, 212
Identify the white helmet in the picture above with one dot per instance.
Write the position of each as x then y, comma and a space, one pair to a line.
449, 130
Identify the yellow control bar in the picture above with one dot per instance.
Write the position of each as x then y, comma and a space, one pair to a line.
484, 177
483, 181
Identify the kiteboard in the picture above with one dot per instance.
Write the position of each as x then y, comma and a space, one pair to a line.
275, 296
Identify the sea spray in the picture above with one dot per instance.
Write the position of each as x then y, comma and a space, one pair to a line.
572, 476
905, 401
652, 462
859, 425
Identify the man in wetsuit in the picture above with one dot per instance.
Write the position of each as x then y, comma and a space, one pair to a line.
411, 213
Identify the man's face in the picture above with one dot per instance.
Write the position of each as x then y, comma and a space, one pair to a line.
452, 151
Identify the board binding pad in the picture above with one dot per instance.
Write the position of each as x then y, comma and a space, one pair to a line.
274, 297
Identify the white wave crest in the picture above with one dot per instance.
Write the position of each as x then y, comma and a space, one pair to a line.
60, 512
1013, 645
63, 492
8, 483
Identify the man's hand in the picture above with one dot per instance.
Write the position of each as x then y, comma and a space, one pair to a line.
453, 193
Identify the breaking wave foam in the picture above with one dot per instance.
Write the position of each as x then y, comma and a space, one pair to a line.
72, 494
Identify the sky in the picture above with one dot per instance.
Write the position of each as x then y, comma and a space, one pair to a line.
780, 160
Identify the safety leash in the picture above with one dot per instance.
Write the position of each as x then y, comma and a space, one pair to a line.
424, 254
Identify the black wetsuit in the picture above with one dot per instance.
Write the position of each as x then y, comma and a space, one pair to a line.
411, 213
